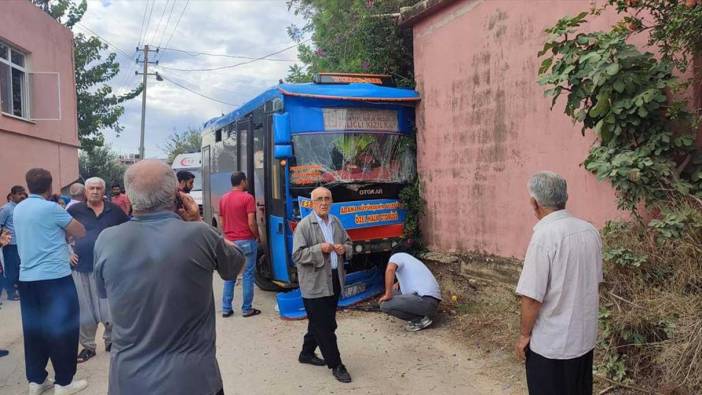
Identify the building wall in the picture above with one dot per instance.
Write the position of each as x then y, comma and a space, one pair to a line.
484, 125
49, 144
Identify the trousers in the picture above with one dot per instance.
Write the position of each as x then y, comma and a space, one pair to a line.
321, 325
50, 320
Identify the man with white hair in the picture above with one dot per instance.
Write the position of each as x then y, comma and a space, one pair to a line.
320, 247
156, 272
559, 293
77, 192
96, 214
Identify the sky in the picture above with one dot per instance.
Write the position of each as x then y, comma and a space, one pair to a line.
240, 29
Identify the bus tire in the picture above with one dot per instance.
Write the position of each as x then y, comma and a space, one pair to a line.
264, 283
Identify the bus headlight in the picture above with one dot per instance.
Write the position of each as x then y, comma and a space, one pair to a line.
358, 248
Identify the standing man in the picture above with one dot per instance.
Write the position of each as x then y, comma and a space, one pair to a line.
320, 245
156, 272
5, 239
559, 294
237, 210
120, 199
50, 313
77, 192
96, 214
185, 181
419, 295
10, 254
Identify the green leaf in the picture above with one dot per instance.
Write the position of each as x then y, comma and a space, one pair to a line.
545, 65
619, 86
612, 69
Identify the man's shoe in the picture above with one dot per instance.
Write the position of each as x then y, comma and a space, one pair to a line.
85, 355
419, 324
75, 387
311, 360
38, 389
227, 314
341, 374
4, 353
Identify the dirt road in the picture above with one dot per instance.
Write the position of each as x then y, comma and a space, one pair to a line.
258, 355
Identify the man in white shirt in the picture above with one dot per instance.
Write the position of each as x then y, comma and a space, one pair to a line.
419, 295
559, 294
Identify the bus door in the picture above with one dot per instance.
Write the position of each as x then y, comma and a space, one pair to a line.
251, 144
206, 194
277, 264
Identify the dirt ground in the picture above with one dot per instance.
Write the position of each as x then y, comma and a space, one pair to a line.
259, 356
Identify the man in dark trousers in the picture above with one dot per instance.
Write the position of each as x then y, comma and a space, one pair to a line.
559, 294
50, 312
320, 246
96, 214
10, 254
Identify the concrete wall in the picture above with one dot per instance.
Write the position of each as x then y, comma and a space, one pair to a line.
484, 125
49, 144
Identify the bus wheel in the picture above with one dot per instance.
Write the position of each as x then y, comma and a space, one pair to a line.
262, 281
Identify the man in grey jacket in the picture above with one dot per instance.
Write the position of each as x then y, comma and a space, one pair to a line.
320, 246
156, 272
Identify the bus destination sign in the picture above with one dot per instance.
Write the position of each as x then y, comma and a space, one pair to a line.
360, 119
360, 214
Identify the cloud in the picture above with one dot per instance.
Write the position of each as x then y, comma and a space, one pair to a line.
250, 28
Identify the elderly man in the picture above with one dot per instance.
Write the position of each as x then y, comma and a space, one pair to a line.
50, 312
320, 246
10, 253
559, 294
156, 272
77, 192
96, 214
419, 295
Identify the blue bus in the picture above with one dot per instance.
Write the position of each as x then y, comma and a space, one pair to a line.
351, 133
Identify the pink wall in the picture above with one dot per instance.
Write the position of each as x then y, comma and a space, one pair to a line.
49, 144
485, 126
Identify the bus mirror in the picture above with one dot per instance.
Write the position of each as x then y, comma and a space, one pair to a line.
281, 127
283, 151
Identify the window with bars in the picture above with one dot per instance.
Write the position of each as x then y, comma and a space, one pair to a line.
13, 82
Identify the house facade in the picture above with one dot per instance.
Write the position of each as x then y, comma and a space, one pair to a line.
38, 105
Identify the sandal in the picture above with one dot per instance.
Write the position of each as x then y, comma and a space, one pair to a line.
252, 313
85, 355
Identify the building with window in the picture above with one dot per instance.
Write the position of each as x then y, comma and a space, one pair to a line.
38, 106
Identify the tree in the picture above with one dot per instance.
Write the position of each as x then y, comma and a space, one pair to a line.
352, 36
101, 162
186, 142
98, 107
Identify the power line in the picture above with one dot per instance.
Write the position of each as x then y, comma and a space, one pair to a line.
143, 22
195, 53
158, 26
106, 41
148, 22
196, 92
177, 22
231, 66
165, 28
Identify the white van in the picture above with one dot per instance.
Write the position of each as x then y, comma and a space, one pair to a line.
192, 163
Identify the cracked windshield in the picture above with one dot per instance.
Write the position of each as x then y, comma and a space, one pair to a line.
351, 157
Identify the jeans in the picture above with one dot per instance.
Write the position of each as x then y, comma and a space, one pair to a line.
410, 307
50, 320
12, 264
248, 247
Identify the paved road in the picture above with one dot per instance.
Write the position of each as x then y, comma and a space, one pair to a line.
258, 355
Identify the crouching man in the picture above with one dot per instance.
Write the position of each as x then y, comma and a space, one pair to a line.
418, 296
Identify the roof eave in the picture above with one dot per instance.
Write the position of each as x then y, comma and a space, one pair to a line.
410, 16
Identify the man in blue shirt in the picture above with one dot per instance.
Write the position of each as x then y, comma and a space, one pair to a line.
96, 214
9, 252
49, 303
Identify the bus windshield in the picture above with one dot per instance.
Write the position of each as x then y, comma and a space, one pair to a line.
350, 157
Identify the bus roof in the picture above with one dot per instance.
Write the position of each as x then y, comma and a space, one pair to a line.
348, 92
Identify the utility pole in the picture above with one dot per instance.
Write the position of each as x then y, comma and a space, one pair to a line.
146, 73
